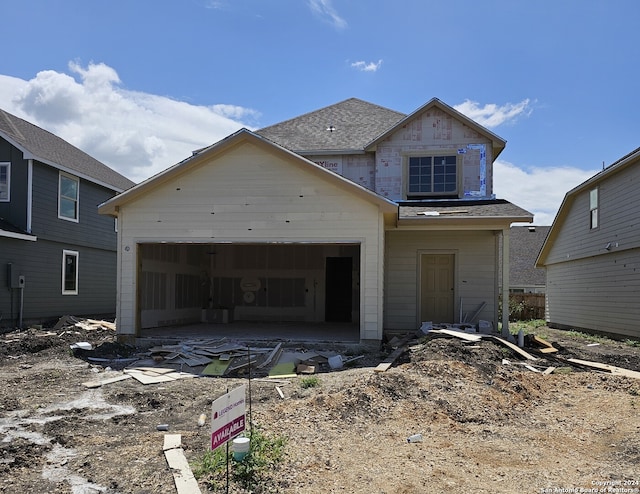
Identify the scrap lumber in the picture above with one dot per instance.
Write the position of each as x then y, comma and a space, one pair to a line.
153, 375
548, 371
102, 382
546, 346
456, 334
616, 371
183, 477
513, 347
305, 369
393, 356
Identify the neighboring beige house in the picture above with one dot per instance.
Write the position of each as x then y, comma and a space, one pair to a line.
592, 254
352, 214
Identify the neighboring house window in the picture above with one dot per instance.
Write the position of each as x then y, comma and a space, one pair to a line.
432, 175
593, 208
5, 182
69, 272
68, 197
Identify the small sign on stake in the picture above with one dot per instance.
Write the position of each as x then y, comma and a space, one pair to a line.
228, 416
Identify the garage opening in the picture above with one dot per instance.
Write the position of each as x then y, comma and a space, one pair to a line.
185, 284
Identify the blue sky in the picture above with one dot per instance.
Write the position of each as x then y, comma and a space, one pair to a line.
140, 84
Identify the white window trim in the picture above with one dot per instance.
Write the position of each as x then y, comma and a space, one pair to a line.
8, 165
77, 180
594, 209
75, 254
430, 153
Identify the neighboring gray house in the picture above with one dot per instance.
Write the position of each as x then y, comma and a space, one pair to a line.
351, 214
592, 254
57, 255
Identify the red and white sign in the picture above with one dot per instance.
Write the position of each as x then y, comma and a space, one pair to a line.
228, 417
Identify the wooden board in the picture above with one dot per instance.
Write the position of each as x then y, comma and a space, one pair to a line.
546, 346
548, 350
183, 477
156, 376
388, 362
97, 384
456, 334
513, 347
618, 371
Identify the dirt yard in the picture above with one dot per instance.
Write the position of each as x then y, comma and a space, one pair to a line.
489, 424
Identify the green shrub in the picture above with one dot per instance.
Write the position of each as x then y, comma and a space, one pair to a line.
309, 382
253, 473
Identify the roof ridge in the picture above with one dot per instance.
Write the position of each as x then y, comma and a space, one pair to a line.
9, 121
324, 108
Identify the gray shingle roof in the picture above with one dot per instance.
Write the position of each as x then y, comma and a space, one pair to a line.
51, 149
355, 122
494, 208
524, 245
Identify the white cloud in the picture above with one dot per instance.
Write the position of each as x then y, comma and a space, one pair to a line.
135, 133
367, 67
538, 190
492, 115
140, 134
325, 11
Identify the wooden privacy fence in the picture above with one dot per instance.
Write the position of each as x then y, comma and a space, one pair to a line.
526, 306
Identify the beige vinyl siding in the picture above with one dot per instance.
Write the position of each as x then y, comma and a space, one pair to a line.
598, 293
475, 268
249, 195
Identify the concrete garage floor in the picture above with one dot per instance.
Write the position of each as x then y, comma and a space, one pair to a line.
256, 331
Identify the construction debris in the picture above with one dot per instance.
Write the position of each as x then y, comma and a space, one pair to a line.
401, 348
618, 371
185, 481
541, 345
86, 324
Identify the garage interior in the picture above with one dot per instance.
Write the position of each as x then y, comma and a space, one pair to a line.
303, 291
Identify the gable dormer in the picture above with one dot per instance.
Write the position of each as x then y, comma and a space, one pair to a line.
435, 153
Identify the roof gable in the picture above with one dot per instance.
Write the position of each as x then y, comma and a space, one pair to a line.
345, 127
498, 143
630, 159
227, 145
41, 145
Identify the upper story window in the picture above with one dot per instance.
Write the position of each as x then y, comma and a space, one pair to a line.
435, 175
593, 208
68, 194
5, 182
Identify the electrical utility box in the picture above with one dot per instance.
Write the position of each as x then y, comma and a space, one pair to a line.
14, 279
